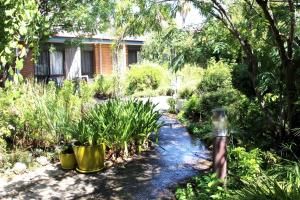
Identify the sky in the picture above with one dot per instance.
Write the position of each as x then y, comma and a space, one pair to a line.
193, 18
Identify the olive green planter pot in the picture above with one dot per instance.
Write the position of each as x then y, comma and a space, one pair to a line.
90, 158
67, 160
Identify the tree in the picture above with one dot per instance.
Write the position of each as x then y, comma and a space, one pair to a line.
26, 24
19, 29
267, 35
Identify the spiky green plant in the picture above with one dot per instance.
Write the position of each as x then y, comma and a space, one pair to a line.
119, 123
280, 183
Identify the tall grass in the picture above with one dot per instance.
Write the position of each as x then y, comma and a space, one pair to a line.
35, 115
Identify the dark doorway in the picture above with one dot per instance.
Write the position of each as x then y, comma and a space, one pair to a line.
133, 54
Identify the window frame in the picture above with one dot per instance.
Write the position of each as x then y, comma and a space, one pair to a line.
46, 48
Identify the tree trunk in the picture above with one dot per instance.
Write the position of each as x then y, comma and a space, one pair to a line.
291, 94
4, 75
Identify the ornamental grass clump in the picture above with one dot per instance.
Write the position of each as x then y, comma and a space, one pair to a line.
120, 124
36, 115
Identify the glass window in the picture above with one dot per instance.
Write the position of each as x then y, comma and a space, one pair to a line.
56, 63
87, 63
42, 66
132, 57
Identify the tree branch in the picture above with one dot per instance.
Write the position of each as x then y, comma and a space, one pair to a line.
247, 48
292, 28
280, 43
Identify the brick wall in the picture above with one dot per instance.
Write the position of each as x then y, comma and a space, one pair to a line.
97, 69
28, 68
107, 60
103, 61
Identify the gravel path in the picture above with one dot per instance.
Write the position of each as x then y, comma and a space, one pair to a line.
153, 175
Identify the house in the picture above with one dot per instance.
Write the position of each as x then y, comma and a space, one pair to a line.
62, 59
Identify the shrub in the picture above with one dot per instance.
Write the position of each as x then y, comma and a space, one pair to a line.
106, 86
202, 130
214, 90
190, 76
203, 187
248, 124
36, 115
185, 93
247, 180
281, 182
172, 105
145, 76
192, 109
243, 165
216, 76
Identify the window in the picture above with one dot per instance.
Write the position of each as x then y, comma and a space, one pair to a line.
133, 54
50, 63
132, 57
42, 66
56, 63
87, 63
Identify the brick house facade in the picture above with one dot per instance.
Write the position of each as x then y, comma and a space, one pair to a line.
95, 56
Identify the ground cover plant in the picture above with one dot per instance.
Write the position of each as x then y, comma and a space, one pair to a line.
252, 174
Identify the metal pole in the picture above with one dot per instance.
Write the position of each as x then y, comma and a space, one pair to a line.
219, 120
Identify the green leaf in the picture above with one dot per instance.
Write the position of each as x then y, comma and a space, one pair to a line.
3, 60
10, 71
7, 50
19, 64
10, 12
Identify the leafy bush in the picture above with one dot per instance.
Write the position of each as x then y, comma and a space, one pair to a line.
243, 166
145, 76
185, 93
216, 76
281, 182
172, 105
106, 86
202, 130
34, 115
190, 76
247, 180
248, 124
191, 110
203, 187
214, 90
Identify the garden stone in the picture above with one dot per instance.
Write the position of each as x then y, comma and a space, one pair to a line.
2, 182
42, 160
9, 173
128, 159
108, 164
113, 157
119, 160
19, 168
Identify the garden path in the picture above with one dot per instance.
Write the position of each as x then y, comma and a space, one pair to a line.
153, 175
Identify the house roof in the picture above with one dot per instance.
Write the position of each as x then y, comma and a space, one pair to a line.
105, 38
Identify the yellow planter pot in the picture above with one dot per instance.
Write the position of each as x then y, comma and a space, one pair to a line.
90, 158
67, 161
